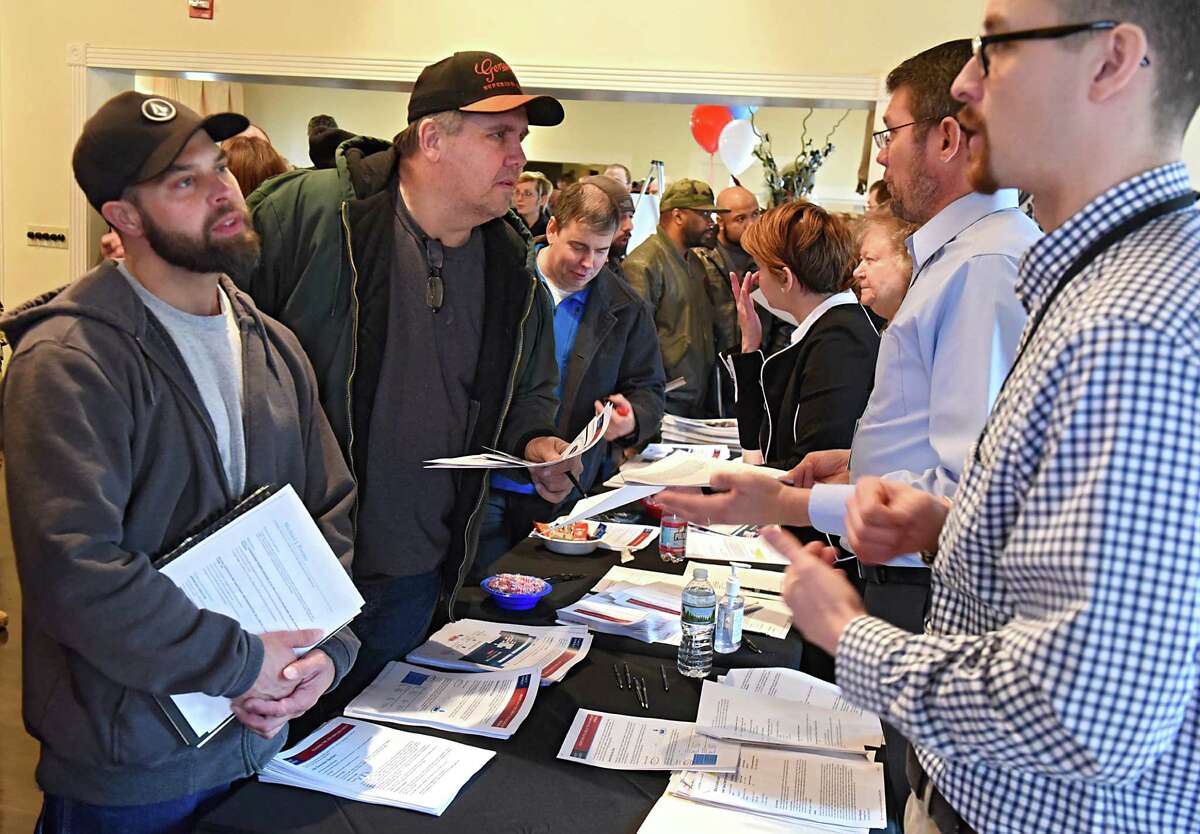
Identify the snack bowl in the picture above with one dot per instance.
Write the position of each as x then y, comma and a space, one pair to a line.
586, 536
515, 591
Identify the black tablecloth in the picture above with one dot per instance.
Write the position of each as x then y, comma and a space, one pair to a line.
525, 789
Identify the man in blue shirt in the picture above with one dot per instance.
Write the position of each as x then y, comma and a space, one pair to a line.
941, 360
606, 345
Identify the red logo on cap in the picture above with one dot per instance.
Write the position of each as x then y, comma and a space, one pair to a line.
488, 70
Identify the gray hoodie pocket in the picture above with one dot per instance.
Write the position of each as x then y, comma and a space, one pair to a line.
141, 733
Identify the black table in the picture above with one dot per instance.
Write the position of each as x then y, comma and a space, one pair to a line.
525, 789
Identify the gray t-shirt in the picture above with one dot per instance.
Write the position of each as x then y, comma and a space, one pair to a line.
423, 406
212, 348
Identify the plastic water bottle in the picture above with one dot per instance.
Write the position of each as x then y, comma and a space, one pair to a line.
698, 620
672, 541
730, 611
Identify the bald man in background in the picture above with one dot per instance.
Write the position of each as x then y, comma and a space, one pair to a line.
740, 210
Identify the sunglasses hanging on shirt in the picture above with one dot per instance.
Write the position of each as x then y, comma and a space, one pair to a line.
435, 290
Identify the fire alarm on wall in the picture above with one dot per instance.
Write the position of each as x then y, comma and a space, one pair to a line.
201, 9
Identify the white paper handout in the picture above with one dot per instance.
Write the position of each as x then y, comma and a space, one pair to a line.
478, 645
713, 547
489, 704
797, 786
737, 715
592, 433
794, 685
619, 577
692, 471
370, 763
649, 617
625, 742
594, 505
270, 569
673, 814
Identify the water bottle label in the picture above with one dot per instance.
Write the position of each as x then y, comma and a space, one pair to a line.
699, 614
673, 538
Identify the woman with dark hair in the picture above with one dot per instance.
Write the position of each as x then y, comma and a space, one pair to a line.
252, 161
808, 396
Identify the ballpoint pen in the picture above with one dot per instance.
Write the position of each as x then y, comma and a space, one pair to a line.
628, 677
645, 695
666, 686
750, 644
617, 672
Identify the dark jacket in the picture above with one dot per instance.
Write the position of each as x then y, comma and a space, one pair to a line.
616, 352
809, 396
111, 460
674, 286
328, 239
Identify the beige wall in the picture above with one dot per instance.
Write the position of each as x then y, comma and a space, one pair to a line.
632, 133
771, 36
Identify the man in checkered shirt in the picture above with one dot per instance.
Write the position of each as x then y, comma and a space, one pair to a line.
1056, 688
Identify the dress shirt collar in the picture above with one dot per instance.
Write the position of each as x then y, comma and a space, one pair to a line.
835, 300
1045, 263
953, 220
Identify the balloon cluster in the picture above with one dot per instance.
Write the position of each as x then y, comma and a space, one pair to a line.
726, 131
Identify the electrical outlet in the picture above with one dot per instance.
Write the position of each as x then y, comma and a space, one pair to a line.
52, 236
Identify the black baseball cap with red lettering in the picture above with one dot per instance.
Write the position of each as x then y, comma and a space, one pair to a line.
134, 137
477, 82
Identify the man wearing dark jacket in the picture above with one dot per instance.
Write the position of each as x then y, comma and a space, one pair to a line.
142, 401
606, 349
429, 336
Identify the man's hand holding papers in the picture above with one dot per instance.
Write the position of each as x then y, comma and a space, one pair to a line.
304, 680
552, 482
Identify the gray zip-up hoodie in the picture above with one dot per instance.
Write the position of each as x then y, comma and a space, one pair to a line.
111, 460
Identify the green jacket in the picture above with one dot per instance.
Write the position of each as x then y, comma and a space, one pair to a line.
683, 316
328, 239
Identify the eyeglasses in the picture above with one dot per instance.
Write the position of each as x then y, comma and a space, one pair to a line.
707, 214
883, 138
435, 291
981, 42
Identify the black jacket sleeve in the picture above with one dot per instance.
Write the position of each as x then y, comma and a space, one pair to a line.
749, 406
641, 378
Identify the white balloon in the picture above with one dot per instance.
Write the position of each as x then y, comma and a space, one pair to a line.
736, 145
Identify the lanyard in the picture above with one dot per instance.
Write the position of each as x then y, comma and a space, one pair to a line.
1108, 240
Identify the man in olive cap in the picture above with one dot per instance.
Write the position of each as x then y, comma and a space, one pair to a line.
664, 272
430, 337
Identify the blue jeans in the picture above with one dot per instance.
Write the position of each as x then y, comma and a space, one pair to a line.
175, 816
394, 621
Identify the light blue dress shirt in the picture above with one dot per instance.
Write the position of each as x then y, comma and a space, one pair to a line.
944, 356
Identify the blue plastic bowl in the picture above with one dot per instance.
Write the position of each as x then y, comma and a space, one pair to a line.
515, 602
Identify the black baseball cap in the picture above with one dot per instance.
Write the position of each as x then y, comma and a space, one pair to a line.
134, 137
477, 82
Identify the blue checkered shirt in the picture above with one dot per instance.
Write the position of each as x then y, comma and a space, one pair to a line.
1056, 688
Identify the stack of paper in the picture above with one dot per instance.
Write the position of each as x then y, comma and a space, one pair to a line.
739, 715
658, 451
592, 433
623, 742
673, 814
791, 685
369, 763
649, 613
707, 546
794, 787
489, 704
478, 645
687, 430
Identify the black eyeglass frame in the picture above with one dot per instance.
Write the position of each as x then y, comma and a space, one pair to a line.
882, 138
980, 43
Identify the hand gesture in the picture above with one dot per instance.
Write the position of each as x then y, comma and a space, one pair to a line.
748, 321
831, 466
886, 518
822, 600
742, 498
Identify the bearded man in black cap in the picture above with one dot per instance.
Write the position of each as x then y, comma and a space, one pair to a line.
428, 333
142, 401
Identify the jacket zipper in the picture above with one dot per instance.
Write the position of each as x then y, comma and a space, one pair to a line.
512, 380
353, 364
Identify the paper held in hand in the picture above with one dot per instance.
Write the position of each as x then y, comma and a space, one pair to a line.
369, 763
478, 645
270, 568
692, 471
491, 704
623, 742
592, 434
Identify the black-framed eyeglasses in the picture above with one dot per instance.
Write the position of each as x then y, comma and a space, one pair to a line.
883, 138
435, 291
980, 43
707, 214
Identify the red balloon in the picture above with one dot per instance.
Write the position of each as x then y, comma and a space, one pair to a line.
707, 122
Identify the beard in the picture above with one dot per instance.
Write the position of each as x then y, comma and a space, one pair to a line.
618, 248
911, 201
707, 238
979, 172
235, 256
